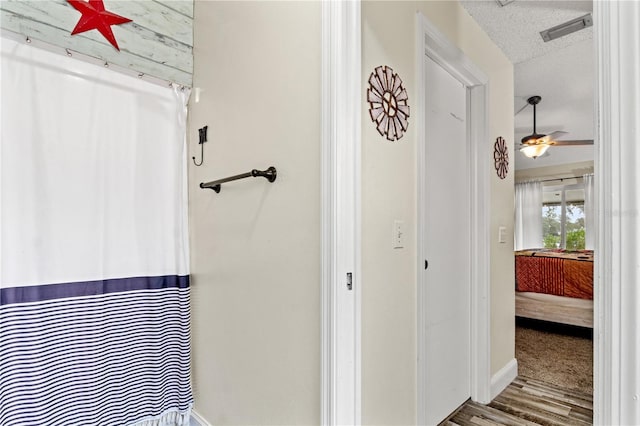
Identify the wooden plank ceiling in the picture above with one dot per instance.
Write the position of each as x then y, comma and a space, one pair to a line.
159, 41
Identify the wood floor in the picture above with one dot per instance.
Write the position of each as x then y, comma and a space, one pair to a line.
528, 402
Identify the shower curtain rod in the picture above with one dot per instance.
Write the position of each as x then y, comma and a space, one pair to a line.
270, 174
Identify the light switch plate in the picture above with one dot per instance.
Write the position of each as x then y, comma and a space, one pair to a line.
502, 234
398, 234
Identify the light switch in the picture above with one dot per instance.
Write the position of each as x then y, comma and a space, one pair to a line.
398, 234
502, 234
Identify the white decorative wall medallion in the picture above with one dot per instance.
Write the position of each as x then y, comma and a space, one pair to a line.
388, 103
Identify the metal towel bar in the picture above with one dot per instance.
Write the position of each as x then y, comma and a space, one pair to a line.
270, 174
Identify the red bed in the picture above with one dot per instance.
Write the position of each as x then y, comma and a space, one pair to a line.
556, 272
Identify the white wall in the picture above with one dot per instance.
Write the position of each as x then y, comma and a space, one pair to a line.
558, 171
389, 192
255, 247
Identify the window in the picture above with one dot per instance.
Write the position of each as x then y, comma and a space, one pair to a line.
563, 217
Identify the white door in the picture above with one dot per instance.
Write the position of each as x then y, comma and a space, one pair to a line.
447, 244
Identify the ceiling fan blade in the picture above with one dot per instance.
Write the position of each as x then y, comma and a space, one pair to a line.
521, 109
550, 138
557, 134
574, 142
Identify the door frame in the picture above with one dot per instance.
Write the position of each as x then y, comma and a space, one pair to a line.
431, 42
340, 207
616, 295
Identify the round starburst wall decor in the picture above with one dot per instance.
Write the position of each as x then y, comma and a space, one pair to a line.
388, 103
501, 157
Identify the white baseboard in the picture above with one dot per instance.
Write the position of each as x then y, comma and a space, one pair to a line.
198, 420
502, 378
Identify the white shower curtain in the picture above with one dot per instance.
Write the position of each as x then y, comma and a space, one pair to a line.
589, 212
528, 220
94, 281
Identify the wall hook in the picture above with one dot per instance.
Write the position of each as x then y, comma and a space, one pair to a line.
202, 134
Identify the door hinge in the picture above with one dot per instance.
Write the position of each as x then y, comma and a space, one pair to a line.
349, 281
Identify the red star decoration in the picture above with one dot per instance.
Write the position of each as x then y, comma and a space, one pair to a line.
95, 17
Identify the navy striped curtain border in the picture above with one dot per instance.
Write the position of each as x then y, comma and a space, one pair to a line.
100, 360
40, 293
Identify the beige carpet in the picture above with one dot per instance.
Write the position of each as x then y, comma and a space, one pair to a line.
556, 354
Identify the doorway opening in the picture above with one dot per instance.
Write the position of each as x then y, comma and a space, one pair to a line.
554, 267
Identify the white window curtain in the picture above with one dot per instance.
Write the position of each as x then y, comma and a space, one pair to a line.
528, 220
589, 219
94, 278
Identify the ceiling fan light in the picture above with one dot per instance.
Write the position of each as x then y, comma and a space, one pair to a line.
534, 151
531, 139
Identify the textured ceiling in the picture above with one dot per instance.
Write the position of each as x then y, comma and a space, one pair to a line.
560, 71
516, 27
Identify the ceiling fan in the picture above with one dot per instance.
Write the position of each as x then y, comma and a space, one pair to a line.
535, 144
